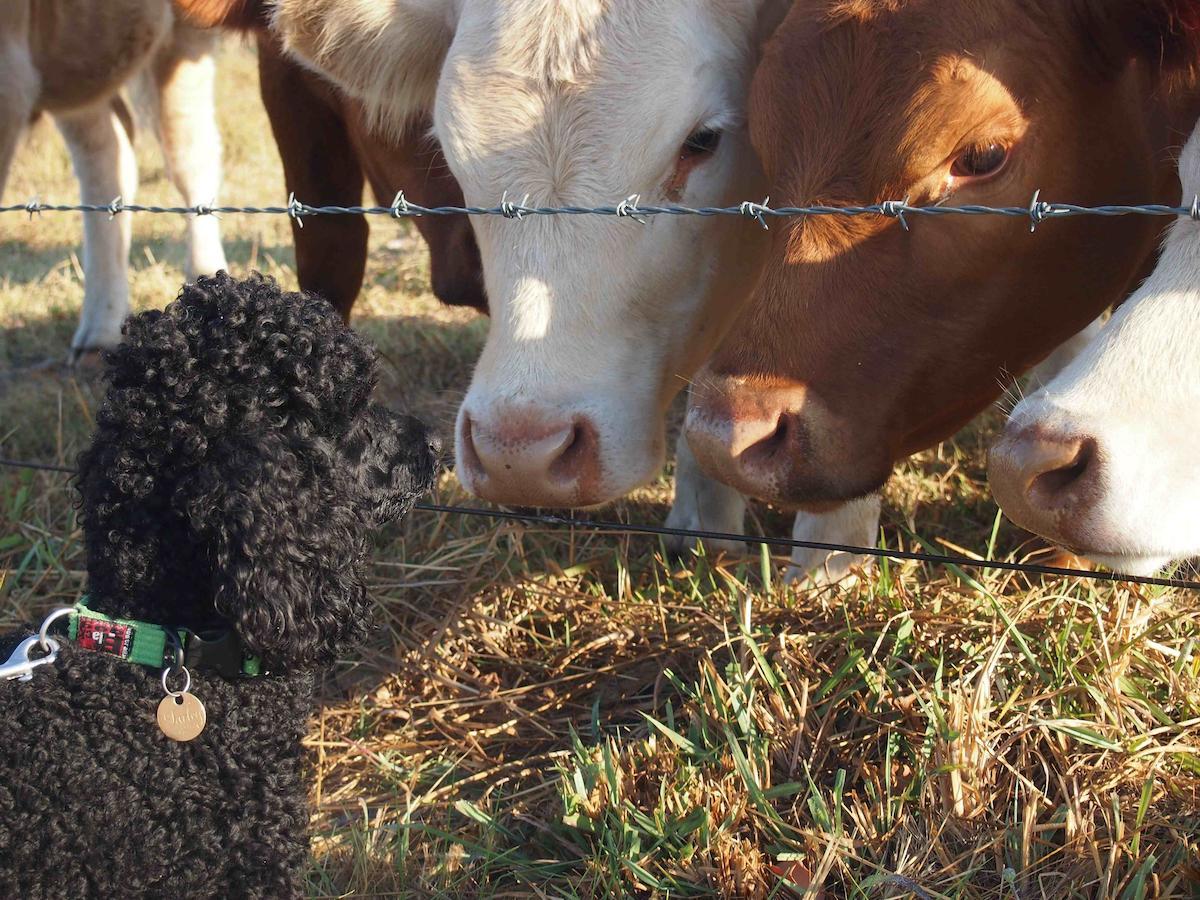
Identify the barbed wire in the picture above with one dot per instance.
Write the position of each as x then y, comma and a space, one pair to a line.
939, 559
1036, 212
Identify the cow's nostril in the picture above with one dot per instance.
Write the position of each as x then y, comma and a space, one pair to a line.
470, 457
778, 444
1047, 481
1054, 485
578, 451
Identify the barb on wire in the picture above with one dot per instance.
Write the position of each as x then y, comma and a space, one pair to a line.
1035, 212
783, 543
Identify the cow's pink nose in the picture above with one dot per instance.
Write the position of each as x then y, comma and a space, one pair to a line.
1047, 482
528, 459
752, 440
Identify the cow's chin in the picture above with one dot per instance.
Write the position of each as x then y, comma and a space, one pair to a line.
781, 476
1129, 564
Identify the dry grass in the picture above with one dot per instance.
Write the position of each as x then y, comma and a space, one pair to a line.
548, 713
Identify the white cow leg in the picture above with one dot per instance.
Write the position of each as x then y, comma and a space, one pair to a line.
106, 168
702, 504
1064, 354
855, 523
179, 88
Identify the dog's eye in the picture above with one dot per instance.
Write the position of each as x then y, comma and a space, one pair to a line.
979, 161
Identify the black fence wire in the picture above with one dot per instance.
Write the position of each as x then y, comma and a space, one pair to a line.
599, 525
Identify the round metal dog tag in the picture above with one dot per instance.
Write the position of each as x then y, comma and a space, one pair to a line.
181, 716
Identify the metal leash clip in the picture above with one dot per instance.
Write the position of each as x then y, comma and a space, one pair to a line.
22, 663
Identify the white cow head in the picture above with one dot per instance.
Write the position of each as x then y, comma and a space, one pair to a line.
1102, 458
596, 323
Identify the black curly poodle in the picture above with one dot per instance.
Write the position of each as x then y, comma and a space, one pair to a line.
237, 468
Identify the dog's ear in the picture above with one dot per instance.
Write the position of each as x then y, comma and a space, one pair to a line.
287, 539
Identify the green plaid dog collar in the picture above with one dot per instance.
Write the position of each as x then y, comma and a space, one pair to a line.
148, 644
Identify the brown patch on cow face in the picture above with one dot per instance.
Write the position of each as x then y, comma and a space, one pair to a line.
903, 337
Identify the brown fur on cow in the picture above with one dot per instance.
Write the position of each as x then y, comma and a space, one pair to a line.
866, 343
225, 13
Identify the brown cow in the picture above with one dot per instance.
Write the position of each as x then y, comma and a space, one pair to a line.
865, 343
327, 150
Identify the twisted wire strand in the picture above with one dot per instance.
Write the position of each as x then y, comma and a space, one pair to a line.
1036, 212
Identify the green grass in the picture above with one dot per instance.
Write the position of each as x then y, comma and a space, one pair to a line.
566, 714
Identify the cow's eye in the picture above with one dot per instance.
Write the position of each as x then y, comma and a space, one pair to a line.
701, 142
979, 161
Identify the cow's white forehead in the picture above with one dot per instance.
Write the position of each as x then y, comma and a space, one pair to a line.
557, 92
565, 41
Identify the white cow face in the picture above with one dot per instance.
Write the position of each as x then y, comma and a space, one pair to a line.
596, 323
1103, 458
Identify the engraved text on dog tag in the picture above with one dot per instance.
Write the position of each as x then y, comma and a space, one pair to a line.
181, 716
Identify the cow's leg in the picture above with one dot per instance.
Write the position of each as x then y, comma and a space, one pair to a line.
855, 523
105, 165
702, 504
180, 88
321, 167
18, 95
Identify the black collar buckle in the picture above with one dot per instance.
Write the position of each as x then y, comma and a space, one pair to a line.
220, 652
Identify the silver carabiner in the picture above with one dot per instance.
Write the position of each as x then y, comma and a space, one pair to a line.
21, 664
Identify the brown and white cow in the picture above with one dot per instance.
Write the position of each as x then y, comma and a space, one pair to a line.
1101, 458
864, 342
70, 58
596, 323
328, 150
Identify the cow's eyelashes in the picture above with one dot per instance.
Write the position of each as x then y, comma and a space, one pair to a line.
979, 161
700, 143
699, 147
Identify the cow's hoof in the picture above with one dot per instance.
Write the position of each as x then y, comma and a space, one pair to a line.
688, 517
818, 568
206, 264
85, 359
94, 339
853, 524
682, 549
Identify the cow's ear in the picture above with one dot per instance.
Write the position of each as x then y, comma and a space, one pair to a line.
1164, 33
387, 55
771, 14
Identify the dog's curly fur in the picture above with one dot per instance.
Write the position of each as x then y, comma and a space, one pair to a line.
236, 471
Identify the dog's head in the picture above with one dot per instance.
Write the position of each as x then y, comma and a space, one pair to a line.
238, 466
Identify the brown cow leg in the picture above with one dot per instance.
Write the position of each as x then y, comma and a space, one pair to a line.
321, 168
415, 164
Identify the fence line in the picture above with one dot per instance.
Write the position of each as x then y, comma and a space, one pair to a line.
939, 559
1036, 212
